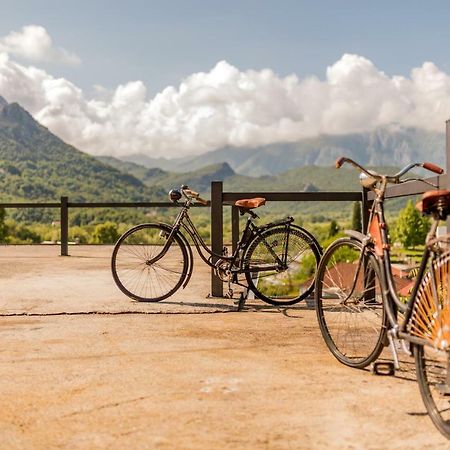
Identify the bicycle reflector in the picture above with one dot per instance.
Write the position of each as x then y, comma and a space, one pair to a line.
174, 195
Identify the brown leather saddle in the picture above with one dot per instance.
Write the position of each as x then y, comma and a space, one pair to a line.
435, 202
250, 203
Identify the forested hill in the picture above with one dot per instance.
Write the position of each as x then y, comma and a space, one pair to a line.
37, 165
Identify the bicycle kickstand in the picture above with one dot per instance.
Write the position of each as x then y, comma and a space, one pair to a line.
388, 368
243, 296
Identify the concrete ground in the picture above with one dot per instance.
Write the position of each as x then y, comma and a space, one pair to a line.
82, 366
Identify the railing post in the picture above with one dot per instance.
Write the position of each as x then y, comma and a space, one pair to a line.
234, 228
216, 233
64, 226
365, 208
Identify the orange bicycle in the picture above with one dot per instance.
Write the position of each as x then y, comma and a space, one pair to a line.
359, 311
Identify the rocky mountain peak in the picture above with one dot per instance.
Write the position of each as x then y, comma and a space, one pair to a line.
3, 102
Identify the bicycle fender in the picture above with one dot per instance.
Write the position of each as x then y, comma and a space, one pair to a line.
311, 236
277, 223
356, 235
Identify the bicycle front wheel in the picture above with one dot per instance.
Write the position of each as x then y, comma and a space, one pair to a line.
140, 268
349, 303
432, 369
282, 284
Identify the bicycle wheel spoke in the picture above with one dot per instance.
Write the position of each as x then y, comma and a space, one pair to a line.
281, 265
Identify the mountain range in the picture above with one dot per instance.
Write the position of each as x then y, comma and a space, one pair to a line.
386, 146
36, 165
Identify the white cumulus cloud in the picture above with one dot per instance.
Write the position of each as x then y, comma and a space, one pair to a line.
227, 106
33, 42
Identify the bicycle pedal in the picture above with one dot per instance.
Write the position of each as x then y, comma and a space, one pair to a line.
383, 368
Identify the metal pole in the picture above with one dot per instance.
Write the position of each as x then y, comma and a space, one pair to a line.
365, 208
64, 226
234, 228
216, 233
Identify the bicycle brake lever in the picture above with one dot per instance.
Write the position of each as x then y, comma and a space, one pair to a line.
420, 179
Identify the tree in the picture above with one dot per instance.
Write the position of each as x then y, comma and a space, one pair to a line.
3, 226
411, 228
334, 229
106, 233
356, 218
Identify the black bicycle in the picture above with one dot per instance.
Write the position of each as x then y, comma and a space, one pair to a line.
278, 260
360, 309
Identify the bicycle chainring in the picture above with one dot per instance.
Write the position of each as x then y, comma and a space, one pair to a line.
222, 270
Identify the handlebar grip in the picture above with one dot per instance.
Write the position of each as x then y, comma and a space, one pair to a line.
196, 195
432, 168
193, 194
340, 161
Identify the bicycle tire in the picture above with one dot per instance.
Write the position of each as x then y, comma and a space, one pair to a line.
354, 331
149, 282
292, 284
431, 371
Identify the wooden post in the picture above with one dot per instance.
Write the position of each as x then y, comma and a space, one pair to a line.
216, 233
64, 226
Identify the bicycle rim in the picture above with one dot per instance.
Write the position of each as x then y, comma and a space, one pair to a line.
432, 368
132, 271
350, 310
284, 286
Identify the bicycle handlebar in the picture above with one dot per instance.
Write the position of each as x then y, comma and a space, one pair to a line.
392, 178
194, 195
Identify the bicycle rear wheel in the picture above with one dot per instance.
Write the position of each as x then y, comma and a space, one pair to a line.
141, 271
430, 321
349, 304
432, 369
284, 285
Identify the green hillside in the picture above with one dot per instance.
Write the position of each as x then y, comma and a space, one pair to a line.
37, 165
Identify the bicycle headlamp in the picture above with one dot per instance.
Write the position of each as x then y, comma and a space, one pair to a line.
366, 181
174, 195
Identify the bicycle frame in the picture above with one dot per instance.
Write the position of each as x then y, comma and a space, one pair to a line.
183, 221
378, 232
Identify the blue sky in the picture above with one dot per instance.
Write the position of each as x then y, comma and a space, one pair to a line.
161, 42
166, 78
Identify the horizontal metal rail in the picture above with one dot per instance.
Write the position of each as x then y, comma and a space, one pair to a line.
219, 199
97, 205
294, 196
